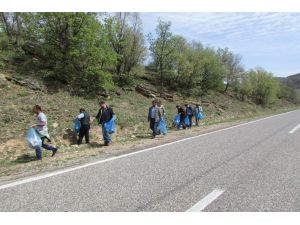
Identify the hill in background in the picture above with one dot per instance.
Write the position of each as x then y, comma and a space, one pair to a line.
292, 81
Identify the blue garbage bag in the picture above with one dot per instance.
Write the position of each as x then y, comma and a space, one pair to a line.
199, 116
162, 126
176, 120
110, 126
33, 139
77, 125
187, 121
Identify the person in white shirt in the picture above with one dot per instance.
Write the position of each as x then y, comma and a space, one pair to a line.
42, 130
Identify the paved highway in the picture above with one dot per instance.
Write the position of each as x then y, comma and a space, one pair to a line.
250, 167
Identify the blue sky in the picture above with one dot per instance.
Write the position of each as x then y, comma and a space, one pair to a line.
268, 40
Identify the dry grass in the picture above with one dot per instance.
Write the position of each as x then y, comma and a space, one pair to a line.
131, 108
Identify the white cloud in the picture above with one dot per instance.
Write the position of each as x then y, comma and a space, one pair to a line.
237, 24
271, 40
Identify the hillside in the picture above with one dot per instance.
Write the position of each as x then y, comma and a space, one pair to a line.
292, 81
132, 127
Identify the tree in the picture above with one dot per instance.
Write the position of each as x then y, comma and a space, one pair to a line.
135, 50
127, 39
233, 67
11, 23
212, 71
162, 49
74, 47
182, 64
260, 86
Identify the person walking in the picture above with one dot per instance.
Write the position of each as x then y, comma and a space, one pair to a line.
190, 114
104, 115
182, 113
198, 109
154, 115
42, 129
161, 108
162, 126
84, 118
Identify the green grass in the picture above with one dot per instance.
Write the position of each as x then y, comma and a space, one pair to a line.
131, 110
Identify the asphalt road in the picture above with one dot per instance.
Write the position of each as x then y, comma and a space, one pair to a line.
250, 167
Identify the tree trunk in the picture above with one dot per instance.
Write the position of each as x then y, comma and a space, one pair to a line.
227, 85
161, 80
6, 26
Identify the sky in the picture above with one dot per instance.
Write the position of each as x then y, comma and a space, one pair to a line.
267, 40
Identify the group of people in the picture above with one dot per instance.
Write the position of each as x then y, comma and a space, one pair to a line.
157, 113
156, 117
105, 114
187, 111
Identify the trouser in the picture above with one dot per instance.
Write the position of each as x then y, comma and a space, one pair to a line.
106, 135
197, 121
190, 121
84, 132
38, 151
182, 122
153, 126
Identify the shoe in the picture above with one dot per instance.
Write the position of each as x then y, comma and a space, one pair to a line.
54, 152
107, 144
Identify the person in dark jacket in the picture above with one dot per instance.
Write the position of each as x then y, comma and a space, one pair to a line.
84, 118
189, 113
104, 115
182, 113
154, 116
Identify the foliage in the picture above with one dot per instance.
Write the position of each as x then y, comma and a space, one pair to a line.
260, 86
80, 50
91, 52
233, 67
162, 49
127, 41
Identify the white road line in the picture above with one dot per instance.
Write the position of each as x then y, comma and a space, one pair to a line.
43, 176
294, 129
203, 203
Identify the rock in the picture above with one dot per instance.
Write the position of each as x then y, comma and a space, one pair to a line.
55, 125
127, 89
104, 94
3, 80
31, 84
205, 102
221, 110
195, 103
8, 78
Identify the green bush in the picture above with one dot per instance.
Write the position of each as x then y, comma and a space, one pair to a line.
91, 82
260, 86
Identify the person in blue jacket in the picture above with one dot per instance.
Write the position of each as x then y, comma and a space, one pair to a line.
104, 115
198, 109
190, 114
